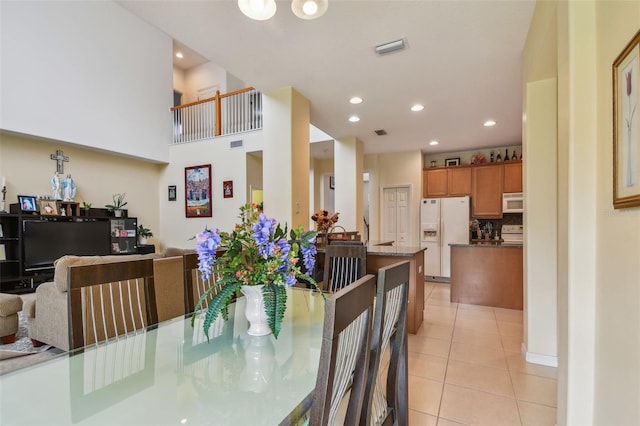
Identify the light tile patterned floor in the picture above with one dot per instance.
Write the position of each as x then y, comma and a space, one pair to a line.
466, 368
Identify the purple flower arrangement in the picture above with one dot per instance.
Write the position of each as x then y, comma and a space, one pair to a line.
258, 251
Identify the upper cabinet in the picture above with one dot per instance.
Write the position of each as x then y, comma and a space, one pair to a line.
512, 176
434, 183
486, 196
446, 182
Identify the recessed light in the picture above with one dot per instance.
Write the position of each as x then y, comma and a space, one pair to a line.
354, 119
179, 55
433, 142
356, 100
417, 107
489, 123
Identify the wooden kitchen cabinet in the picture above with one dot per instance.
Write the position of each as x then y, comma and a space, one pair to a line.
434, 182
487, 187
459, 181
512, 176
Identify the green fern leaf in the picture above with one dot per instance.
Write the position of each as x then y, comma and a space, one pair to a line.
218, 306
275, 303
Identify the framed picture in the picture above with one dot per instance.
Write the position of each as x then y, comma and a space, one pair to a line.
227, 189
197, 191
48, 207
626, 126
28, 203
172, 193
332, 182
452, 162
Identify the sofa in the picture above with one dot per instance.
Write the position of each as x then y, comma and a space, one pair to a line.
47, 313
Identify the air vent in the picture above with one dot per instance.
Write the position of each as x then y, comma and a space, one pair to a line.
235, 144
380, 132
392, 46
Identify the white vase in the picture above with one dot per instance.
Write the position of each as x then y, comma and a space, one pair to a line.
254, 310
117, 213
142, 241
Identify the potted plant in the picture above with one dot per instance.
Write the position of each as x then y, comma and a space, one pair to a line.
143, 234
118, 204
259, 260
85, 208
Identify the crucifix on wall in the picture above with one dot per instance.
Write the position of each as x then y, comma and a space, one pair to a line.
60, 159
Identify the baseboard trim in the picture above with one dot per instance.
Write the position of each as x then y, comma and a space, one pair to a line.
534, 358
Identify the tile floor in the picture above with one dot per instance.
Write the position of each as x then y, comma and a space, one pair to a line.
466, 368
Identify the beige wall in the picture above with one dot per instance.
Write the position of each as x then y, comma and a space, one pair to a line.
598, 247
26, 164
617, 355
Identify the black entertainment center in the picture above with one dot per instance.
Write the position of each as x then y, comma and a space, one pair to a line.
30, 243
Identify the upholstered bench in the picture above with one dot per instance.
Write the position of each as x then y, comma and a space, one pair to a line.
10, 305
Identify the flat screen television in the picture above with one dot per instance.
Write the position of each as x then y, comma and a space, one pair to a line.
45, 241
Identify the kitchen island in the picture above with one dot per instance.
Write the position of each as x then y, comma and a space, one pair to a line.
384, 253
487, 274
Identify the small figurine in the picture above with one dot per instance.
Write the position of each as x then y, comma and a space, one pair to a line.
56, 189
68, 188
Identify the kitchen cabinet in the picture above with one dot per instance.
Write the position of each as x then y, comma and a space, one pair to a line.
434, 182
459, 181
446, 182
487, 187
512, 176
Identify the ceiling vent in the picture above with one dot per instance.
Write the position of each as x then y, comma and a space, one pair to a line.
235, 144
380, 132
392, 46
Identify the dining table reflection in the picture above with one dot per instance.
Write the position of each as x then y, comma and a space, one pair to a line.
173, 374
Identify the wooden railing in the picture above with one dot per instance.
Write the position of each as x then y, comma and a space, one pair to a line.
226, 114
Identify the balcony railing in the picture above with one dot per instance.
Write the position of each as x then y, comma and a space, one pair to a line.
226, 114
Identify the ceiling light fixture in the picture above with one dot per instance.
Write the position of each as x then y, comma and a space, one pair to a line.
309, 9
260, 10
354, 119
489, 123
355, 100
392, 46
417, 107
433, 143
179, 55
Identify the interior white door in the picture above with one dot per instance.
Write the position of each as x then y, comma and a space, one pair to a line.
396, 218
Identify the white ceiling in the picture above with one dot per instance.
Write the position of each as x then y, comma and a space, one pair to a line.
463, 62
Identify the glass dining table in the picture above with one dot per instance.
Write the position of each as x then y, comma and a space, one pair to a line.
170, 374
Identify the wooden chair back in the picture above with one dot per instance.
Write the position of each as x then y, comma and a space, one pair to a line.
343, 265
107, 300
168, 279
344, 355
194, 284
386, 403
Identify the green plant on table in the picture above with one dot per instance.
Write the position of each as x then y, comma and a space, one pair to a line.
144, 232
256, 252
86, 206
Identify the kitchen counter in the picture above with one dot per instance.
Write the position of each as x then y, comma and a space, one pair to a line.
491, 276
485, 243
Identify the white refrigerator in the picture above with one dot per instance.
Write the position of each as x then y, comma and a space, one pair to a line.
442, 221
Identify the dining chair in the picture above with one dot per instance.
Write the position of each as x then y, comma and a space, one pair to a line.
386, 402
195, 285
344, 354
343, 265
108, 300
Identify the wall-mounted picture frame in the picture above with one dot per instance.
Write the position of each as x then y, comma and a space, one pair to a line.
48, 207
452, 161
227, 189
332, 182
28, 203
172, 193
197, 191
626, 126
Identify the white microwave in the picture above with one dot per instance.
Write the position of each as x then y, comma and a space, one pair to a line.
512, 203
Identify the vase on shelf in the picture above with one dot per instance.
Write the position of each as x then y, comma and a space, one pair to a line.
254, 310
117, 213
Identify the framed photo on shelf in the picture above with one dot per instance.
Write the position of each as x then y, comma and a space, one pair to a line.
48, 207
452, 161
172, 193
197, 191
28, 203
626, 126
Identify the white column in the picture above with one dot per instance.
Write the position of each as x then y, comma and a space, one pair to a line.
348, 169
